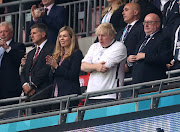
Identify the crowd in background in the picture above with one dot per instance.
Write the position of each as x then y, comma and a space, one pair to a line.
140, 39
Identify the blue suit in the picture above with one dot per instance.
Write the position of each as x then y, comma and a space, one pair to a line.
54, 21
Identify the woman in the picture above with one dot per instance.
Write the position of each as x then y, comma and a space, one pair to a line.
113, 14
65, 64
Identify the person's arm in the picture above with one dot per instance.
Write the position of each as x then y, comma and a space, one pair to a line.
100, 67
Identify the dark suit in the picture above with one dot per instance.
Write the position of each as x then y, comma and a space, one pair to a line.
158, 53
10, 85
134, 36
39, 71
66, 76
168, 21
174, 42
147, 7
54, 21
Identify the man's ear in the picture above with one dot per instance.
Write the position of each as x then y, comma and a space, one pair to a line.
135, 12
43, 34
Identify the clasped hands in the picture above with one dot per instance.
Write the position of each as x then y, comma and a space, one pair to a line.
28, 90
3, 44
51, 62
37, 12
134, 58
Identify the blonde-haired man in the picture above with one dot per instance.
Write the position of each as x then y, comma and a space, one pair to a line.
105, 61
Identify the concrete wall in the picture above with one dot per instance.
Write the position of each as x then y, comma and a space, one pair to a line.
84, 44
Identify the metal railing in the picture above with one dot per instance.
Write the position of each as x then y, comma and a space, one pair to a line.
81, 110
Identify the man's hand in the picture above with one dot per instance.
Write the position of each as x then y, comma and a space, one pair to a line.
140, 56
34, 15
132, 58
3, 44
26, 88
170, 65
100, 67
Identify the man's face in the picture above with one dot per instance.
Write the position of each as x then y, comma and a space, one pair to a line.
37, 36
104, 39
151, 25
128, 14
47, 2
5, 33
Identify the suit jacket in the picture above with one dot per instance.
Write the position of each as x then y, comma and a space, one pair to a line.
9, 71
174, 40
147, 7
134, 36
66, 76
117, 19
169, 20
157, 54
55, 20
39, 71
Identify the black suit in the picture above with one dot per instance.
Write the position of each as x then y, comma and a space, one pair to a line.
66, 76
158, 53
134, 36
39, 72
10, 85
169, 20
55, 20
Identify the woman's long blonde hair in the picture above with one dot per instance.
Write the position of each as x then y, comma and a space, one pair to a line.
119, 3
59, 50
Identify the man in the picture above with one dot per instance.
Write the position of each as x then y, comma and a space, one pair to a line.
10, 59
170, 14
34, 76
105, 61
51, 15
175, 63
152, 53
147, 7
133, 32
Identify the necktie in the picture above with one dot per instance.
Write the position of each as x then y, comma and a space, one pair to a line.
46, 10
143, 44
36, 55
126, 32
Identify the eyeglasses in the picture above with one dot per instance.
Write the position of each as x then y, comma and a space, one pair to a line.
149, 22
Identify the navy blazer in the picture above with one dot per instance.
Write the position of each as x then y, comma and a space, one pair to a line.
158, 53
134, 36
39, 71
54, 21
10, 85
66, 76
169, 20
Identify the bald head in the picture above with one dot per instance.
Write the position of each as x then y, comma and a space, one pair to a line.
131, 12
152, 23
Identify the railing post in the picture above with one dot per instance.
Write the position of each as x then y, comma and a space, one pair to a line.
20, 24
89, 16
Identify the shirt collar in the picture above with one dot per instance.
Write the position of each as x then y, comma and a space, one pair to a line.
42, 44
49, 8
8, 42
110, 44
133, 23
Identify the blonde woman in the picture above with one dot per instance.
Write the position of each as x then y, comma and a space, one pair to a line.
113, 14
65, 63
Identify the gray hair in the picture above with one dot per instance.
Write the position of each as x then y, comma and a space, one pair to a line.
7, 24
